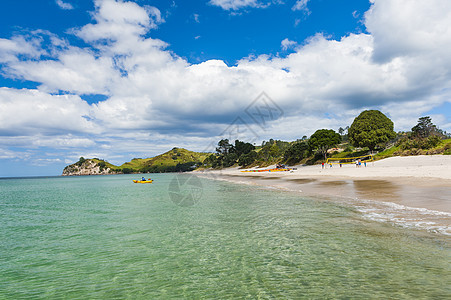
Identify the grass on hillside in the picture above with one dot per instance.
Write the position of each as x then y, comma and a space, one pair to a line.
170, 158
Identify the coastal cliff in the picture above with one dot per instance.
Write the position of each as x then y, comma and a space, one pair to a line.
88, 167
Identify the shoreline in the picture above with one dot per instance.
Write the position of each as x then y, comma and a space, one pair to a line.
408, 191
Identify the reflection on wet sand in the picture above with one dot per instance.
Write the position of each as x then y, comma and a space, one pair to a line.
269, 178
302, 180
334, 183
378, 190
367, 189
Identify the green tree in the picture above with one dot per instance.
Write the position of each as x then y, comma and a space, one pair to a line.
210, 160
263, 154
224, 147
424, 128
371, 128
247, 159
274, 150
242, 148
324, 139
229, 160
296, 152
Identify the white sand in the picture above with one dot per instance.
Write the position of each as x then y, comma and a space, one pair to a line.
420, 167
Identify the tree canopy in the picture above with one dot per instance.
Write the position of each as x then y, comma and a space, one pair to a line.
223, 147
228, 154
370, 129
324, 139
424, 128
296, 152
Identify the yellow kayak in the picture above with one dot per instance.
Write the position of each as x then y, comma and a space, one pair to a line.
142, 181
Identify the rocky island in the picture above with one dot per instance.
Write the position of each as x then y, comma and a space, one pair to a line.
88, 167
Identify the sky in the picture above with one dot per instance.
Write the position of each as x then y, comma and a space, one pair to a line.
117, 79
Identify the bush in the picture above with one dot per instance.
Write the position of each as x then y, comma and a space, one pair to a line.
348, 149
80, 161
432, 142
393, 151
101, 165
419, 143
127, 170
315, 158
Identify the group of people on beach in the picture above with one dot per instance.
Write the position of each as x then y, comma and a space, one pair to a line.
358, 164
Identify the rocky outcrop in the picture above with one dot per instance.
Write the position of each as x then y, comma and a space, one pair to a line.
87, 167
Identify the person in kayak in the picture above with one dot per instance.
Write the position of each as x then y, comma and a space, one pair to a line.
143, 179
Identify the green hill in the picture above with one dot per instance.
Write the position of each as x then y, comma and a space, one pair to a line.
175, 160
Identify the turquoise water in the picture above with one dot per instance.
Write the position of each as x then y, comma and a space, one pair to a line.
105, 237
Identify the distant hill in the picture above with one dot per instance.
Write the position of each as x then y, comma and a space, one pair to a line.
175, 160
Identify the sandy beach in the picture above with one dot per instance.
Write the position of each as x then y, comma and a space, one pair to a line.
414, 191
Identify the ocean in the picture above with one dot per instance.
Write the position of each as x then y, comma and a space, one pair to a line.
104, 237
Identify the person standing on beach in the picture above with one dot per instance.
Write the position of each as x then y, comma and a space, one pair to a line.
322, 165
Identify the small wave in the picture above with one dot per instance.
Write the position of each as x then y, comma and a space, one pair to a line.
407, 217
407, 208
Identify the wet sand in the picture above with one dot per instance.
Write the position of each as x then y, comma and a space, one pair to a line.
434, 195
412, 191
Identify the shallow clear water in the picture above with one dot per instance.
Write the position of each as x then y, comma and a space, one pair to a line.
105, 237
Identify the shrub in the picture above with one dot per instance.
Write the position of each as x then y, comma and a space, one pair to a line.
101, 165
127, 170
80, 161
419, 143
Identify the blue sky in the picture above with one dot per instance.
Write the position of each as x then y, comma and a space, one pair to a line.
198, 30
122, 79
